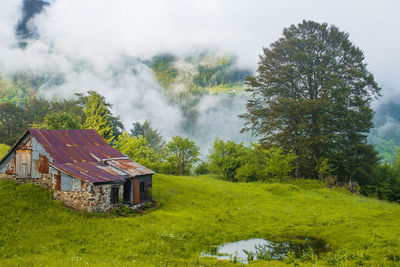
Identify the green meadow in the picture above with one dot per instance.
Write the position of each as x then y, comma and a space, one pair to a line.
226, 88
3, 149
192, 215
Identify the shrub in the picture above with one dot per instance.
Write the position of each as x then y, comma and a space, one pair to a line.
227, 158
202, 168
266, 165
278, 164
385, 183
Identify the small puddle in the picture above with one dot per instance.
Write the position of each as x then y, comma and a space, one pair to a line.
263, 249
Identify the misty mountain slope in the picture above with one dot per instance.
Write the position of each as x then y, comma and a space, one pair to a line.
205, 89
199, 73
29, 9
386, 132
199, 95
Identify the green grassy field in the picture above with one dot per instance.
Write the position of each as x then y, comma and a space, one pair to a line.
3, 150
226, 88
194, 214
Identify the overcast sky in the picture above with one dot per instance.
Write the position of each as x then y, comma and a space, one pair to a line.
101, 32
102, 29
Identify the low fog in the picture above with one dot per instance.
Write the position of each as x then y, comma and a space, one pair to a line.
101, 45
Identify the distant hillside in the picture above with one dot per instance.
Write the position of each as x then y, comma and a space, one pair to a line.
386, 132
184, 79
15, 91
207, 73
193, 215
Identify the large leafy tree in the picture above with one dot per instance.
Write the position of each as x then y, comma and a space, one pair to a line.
181, 153
312, 93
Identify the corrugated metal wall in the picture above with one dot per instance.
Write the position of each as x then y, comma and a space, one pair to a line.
40, 159
66, 182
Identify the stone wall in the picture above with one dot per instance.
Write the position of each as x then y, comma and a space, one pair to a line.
4, 176
97, 200
84, 201
45, 181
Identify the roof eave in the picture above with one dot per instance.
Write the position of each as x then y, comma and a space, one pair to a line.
14, 146
83, 179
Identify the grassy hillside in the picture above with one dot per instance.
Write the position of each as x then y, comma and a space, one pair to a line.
194, 214
203, 73
3, 149
385, 135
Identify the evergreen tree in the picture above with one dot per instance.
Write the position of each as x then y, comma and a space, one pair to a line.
13, 122
98, 116
153, 137
312, 95
36, 109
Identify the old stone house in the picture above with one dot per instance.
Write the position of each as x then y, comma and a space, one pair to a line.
80, 167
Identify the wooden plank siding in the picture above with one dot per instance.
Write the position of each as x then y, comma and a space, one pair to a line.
23, 163
136, 191
57, 181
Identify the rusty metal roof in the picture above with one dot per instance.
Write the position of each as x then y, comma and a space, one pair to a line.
86, 155
90, 171
75, 145
130, 167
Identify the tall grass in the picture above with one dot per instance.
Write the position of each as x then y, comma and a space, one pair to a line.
194, 214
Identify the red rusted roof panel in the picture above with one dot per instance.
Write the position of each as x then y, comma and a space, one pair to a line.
74, 145
89, 171
130, 167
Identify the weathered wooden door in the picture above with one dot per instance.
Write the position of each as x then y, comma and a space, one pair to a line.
136, 193
128, 191
142, 192
23, 163
57, 181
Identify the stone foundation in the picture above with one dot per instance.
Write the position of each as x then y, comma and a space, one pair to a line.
97, 200
84, 201
6, 177
45, 181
